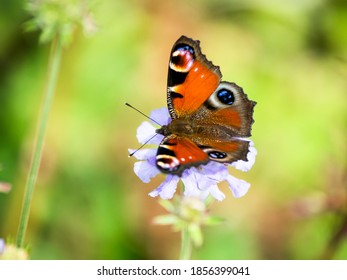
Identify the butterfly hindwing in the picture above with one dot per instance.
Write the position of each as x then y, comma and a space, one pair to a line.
229, 108
225, 151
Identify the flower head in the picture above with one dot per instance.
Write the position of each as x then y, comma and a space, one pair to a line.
60, 18
11, 252
198, 181
187, 213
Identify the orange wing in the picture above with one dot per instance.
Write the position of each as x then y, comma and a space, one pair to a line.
191, 78
228, 107
175, 154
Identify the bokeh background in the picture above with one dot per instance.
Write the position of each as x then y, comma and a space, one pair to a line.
289, 56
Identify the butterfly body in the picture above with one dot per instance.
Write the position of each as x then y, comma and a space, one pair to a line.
210, 117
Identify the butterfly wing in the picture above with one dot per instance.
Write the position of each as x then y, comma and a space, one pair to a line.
191, 78
226, 151
175, 154
228, 110
178, 153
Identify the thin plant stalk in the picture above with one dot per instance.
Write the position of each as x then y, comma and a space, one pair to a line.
186, 244
53, 68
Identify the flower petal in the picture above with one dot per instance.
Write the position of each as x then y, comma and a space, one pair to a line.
189, 180
195, 182
190, 184
204, 195
204, 182
2, 245
237, 186
143, 154
167, 189
161, 116
216, 193
215, 171
246, 165
145, 131
145, 170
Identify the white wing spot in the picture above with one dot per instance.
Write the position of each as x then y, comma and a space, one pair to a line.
176, 53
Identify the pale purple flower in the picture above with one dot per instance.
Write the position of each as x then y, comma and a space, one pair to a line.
2, 245
198, 181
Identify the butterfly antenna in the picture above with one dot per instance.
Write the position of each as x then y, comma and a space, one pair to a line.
130, 155
143, 114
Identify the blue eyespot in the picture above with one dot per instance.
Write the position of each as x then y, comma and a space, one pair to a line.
184, 48
226, 96
217, 155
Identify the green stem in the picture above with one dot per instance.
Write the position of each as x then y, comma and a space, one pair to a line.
186, 244
54, 64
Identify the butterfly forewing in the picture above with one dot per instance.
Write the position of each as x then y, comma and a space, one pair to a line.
191, 78
177, 153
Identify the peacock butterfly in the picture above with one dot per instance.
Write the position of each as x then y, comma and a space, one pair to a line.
210, 117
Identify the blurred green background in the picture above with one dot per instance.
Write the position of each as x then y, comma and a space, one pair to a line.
289, 56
